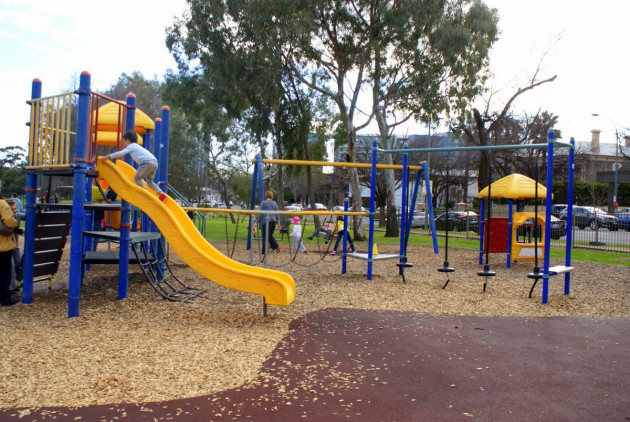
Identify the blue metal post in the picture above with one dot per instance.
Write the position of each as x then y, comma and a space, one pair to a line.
508, 259
163, 163
372, 195
547, 250
157, 151
344, 246
125, 215
482, 227
78, 196
252, 202
425, 171
30, 209
404, 212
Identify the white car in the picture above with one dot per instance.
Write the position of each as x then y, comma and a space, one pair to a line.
318, 207
340, 208
293, 207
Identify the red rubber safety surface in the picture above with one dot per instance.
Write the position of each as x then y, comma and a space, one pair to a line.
351, 364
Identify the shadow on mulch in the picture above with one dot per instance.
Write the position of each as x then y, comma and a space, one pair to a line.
403, 366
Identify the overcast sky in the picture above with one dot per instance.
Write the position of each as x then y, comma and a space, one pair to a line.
585, 44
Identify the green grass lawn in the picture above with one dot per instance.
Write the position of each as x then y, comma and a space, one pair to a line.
217, 227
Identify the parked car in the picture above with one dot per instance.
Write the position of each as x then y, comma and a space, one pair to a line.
318, 207
556, 209
624, 220
340, 208
458, 221
293, 207
219, 205
558, 228
591, 217
417, 220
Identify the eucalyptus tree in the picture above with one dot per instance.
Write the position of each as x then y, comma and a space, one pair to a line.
218, 44
429, 58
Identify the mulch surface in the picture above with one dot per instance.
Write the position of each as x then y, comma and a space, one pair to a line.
404, 366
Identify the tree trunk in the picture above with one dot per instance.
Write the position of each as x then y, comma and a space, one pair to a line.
391, 229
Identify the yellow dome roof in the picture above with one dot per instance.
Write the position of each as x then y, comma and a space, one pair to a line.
514, 186
108, 118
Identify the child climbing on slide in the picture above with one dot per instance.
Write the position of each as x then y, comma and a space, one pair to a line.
296, 234
147, 162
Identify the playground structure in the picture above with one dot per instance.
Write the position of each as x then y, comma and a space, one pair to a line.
370, 256
503, 238
50, 146
547, 271
49, 154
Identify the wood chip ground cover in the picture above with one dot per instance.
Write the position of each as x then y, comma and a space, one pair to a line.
146, 349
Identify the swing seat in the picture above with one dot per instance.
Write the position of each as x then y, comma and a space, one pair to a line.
404, 264
559, 269
486, 273
446, 269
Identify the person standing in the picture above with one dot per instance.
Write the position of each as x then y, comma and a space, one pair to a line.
146, 161
267, 222
17, 256
7, 244
296, 234
17, 200
341, 231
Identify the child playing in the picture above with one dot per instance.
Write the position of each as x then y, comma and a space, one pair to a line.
341, 231
296, 234
147, 162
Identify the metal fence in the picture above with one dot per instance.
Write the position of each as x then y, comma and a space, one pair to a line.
585, 238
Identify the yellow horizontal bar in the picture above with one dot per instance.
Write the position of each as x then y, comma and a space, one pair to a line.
41, 99
48, 166
333, 164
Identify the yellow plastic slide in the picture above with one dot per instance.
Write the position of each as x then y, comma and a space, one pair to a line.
276, 287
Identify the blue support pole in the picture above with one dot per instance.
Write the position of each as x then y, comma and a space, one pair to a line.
78, 196
482, 227
157, 152
163, 168
125, 215
29, 237
372, 194
252, 202
547, 250
425, 171
30, 209
404, 211
569, 240
344, 246
508, 259
165, 141
261, 186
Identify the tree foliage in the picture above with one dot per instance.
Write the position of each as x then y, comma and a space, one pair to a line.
12, 178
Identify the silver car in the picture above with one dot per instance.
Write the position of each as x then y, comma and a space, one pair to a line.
418, 219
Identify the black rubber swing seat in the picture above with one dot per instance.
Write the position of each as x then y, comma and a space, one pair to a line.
535, 275
404, 264
446, 269
486, 273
